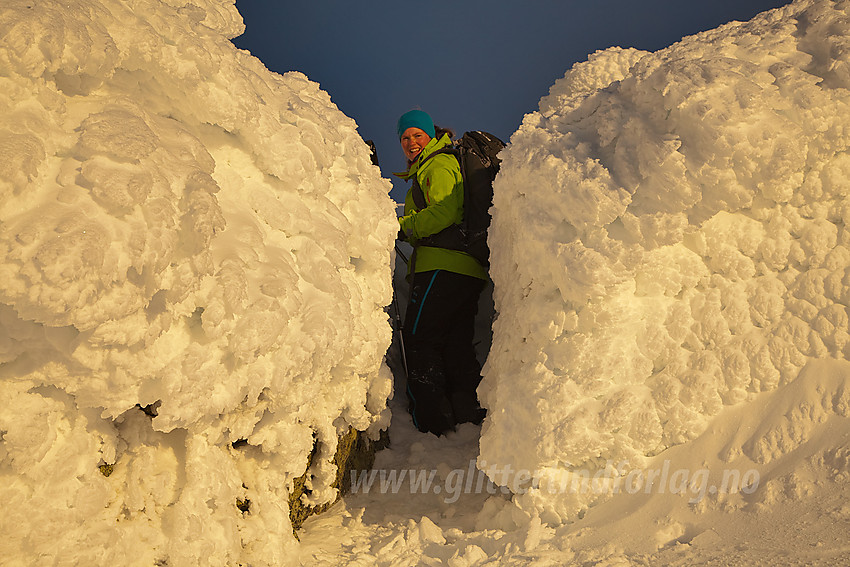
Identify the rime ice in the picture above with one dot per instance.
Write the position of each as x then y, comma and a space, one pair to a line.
669, 238
181, 231
196, 256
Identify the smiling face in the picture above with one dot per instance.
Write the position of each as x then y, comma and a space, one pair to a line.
412, 141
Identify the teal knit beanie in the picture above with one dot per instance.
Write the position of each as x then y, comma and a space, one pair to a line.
416, 119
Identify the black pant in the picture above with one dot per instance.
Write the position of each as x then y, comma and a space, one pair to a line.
442, 370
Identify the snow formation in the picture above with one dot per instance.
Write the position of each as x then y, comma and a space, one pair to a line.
670, 238
182, 232
196, 253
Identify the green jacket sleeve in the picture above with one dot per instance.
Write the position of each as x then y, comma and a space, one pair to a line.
442, 186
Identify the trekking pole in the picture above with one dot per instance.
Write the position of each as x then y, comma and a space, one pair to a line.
398, 322
400, 253
400, 334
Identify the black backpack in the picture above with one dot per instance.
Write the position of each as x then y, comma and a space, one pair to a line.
477, 153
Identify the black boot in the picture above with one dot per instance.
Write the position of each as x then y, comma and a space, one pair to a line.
466, 408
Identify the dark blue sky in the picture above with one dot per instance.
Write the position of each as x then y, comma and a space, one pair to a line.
471, 64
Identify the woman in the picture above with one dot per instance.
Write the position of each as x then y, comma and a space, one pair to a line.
443, 372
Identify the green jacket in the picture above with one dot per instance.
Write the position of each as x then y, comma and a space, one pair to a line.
442, 185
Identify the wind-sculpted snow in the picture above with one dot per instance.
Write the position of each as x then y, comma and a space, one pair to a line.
668, 239
185, 232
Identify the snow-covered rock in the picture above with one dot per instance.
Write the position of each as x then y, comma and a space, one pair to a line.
184, 232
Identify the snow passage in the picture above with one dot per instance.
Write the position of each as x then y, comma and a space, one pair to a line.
196, 253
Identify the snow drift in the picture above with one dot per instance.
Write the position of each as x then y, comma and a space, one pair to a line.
669, 238
195, 253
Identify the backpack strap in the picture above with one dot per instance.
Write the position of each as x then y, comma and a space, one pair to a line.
416, 191
418, 195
